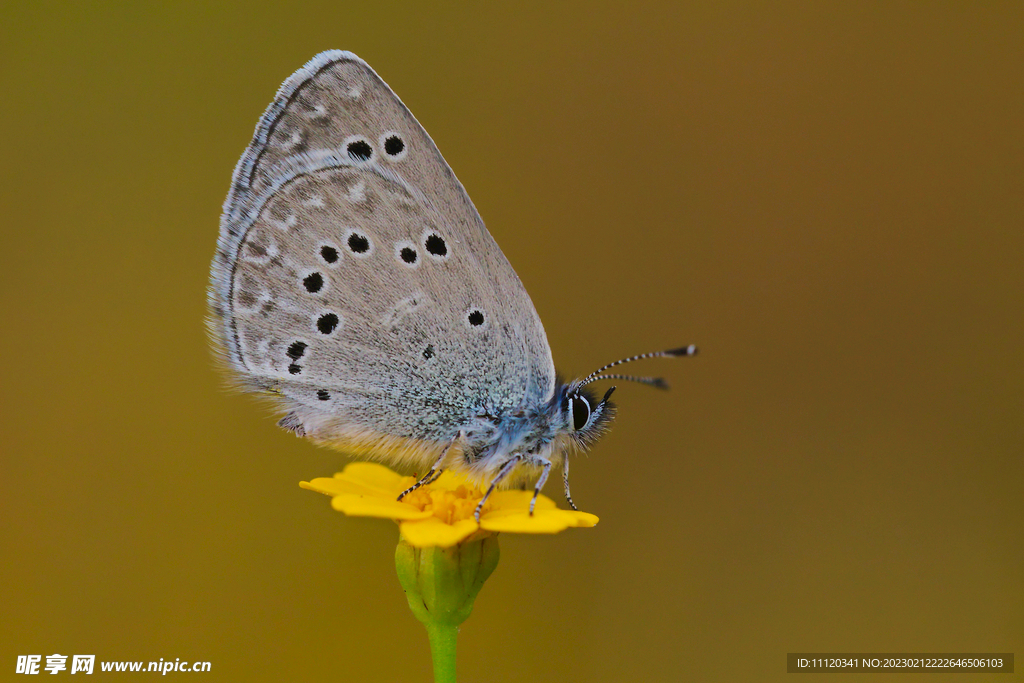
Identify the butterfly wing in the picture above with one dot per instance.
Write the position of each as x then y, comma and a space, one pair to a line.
355, 279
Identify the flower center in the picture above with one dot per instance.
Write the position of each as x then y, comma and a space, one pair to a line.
448, 505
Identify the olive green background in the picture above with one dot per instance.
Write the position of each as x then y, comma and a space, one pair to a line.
827, 197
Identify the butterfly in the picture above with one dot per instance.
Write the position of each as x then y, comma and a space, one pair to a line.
355, 282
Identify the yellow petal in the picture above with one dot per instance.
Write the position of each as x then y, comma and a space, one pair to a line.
521, 522
433, 532
449, 481
518, 500
372, 506
327, 485
344, 482
372, 476
584, 519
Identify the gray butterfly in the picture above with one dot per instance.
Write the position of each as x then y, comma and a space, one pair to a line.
355, 281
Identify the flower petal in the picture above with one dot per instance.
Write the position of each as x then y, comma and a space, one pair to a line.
521, 522
371, 490
371, 506
327, 485
433, 532
372, 476
363, 481
449, 481
584, 519
515, 499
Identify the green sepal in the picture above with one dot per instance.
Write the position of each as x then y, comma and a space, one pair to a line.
441, 584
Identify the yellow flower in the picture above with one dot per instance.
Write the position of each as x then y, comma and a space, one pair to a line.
441, 513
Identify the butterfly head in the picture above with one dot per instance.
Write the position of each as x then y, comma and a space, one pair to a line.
585, 418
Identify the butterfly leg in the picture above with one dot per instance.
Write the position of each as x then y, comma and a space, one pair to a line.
502, 473
435, 470
546, 464
432, 479
565, 480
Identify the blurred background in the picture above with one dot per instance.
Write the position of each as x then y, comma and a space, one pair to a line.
827, 198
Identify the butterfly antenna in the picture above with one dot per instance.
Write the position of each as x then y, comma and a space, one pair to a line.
656, 382
690, 350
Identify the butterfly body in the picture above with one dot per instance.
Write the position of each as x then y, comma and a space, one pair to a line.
355, 282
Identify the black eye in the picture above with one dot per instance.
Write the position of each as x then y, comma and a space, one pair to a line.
580, 412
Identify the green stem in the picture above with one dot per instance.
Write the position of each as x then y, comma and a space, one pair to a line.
440, 586
442, 649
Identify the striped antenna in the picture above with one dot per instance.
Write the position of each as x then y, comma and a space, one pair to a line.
656, 382
690, 350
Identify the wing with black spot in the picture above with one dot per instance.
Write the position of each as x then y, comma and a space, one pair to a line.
354, 277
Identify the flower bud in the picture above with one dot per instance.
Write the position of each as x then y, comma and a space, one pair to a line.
442, 583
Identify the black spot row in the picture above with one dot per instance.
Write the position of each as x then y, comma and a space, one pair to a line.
361, 150
360, 244
476, 318
295, 351
323, 395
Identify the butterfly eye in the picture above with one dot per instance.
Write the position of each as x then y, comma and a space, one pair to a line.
579, 412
